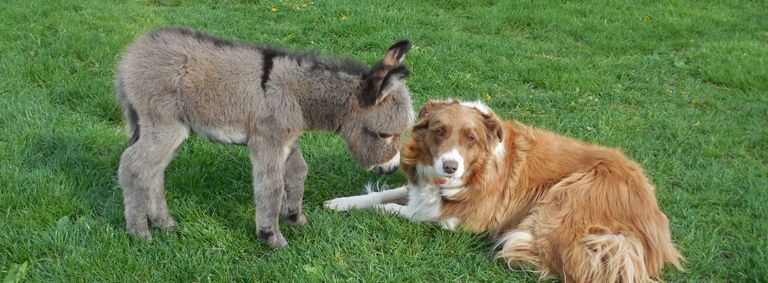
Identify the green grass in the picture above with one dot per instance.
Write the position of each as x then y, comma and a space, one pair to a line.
682, 87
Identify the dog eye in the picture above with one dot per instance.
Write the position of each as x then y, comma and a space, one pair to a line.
384, 136
439, 132
470, 138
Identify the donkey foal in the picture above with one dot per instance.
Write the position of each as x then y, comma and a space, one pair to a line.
175, 80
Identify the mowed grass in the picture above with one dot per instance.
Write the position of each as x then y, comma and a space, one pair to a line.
681, 86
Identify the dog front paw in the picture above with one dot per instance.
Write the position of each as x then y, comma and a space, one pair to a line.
339, 204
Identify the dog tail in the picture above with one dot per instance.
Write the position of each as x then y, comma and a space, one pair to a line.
621, 237
632, 243
516, 248
602, 257
613, 258
131, 116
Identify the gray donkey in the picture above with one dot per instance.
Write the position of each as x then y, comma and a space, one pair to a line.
175, 80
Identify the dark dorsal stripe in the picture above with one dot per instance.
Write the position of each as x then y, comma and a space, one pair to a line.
333, 64
268, 56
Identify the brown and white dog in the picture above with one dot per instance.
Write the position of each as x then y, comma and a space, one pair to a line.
584, 212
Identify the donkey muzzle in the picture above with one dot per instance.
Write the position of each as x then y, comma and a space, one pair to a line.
388, 167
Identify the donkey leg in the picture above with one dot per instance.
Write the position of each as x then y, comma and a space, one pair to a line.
135, 182
294, 177
168, 142
140, 175
268, 159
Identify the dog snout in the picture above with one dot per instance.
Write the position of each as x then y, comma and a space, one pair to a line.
450, 166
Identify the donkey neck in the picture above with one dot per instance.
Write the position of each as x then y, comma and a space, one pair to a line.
325, 96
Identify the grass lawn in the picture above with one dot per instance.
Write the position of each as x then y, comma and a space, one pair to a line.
682, 87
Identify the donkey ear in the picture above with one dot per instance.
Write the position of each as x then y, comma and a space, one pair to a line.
396, 53
393, 78
386, 74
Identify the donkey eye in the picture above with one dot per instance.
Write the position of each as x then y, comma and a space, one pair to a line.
384, 136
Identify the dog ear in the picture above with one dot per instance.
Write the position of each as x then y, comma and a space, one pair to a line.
419, 130
385, 75
425, 110
422, 124
493, 128
432, 105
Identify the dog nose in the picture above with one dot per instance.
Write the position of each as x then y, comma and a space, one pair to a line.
449, 166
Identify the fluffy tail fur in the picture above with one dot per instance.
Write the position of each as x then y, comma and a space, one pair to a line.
517, 249
601, 257
602, 225
614, 258
131, 117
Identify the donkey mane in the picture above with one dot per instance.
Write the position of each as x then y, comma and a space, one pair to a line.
309, 58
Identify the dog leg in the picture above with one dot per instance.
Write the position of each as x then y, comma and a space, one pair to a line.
268, 158
141, 173
295, 175
450, 224
365, 201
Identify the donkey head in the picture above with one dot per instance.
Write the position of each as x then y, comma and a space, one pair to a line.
384, 110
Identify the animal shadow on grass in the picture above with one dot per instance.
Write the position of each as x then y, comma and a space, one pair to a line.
204, 180
82, 165
211, 179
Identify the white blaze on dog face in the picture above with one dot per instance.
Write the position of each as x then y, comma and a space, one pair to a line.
458, 137
450, 164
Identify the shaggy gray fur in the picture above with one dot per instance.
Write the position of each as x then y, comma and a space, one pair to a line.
175, 80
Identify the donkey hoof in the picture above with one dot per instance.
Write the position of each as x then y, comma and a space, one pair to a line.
274, 240
166, 223
297, 219
141, 234
278, 242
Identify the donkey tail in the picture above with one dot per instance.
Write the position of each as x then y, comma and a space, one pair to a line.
131, 116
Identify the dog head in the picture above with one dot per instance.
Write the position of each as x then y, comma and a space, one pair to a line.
452, 140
